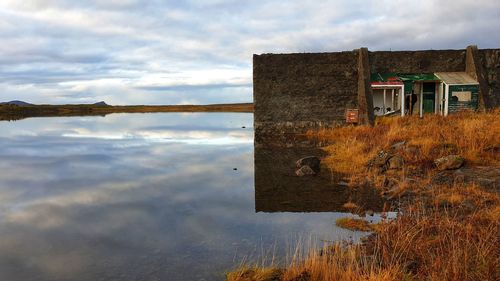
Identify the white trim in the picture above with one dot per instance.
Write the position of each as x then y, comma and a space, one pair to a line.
385, 103
402, 100
446, 94
467, 84
439, 101
387, 86
392, 100
436, 97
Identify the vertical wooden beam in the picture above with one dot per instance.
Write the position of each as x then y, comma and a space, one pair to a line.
446, 99
393, 106
474, 68
365, 95
385, 104
403, 100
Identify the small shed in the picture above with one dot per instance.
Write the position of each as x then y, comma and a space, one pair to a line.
400, 88
460, 92
386, 89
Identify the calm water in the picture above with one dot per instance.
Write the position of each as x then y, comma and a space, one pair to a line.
147, 197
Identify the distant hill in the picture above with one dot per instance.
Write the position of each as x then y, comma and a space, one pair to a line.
101, 103
17, 102
22, 103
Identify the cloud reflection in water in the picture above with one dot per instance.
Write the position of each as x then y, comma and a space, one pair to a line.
154, 201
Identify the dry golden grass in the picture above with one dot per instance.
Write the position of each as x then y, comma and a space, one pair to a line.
442, 244
475, 136
350, 206
336, 262
256, 274
448, 232
423, 243
353, 224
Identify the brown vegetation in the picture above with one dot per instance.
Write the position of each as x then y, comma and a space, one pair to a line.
474, 136
353, 224
445, 231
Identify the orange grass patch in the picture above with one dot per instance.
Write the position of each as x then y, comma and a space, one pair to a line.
353, 224
475, 136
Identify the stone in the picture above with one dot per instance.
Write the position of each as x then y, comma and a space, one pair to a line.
380, 160
305, 171
312, 162
343, 183
485, 177
396, 162
450, 162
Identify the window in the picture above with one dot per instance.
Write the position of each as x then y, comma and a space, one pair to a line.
461, 96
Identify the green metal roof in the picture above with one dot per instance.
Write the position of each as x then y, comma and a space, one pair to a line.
419, 77
386, 77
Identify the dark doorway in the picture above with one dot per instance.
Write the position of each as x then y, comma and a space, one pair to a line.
429, 100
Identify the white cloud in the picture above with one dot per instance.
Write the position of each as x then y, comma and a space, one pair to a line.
171, 46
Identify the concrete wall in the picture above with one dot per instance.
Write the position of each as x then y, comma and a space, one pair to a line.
303, 90
490, 59
417, 61
296, 92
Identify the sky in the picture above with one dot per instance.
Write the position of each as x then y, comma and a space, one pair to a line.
200, 52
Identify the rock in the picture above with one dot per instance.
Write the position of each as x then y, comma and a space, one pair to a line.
485, 177
380, 160
450, 162
305, 171
395, 162
343, 183
312, 162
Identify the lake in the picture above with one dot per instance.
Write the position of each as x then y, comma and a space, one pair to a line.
164, 196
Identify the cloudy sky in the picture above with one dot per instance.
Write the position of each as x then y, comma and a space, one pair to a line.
178, 52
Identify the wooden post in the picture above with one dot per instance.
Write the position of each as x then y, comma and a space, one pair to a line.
393, 107
385, 104
403, 101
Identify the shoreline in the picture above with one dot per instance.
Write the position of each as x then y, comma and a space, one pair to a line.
449, 217
15, 112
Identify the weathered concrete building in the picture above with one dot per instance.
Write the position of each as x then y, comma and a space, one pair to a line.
295, 92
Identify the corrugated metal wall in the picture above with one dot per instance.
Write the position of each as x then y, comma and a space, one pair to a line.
454, 105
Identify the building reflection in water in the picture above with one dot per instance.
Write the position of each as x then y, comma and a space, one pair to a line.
279, 189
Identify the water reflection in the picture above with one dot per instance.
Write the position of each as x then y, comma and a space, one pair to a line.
278, 189
140, 197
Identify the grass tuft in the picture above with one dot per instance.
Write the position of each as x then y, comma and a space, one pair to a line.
353, 224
